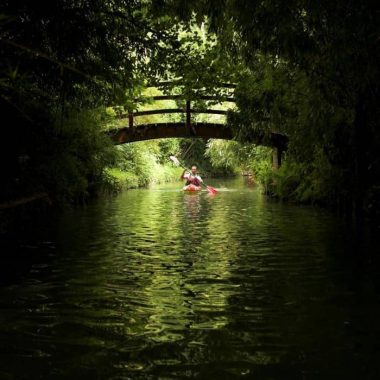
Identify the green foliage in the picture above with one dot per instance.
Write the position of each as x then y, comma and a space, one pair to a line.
46, 57
62, 65
260, 163
195, 152
140, 164
116, 180
138, 159
237, 157
73, 161
306, 69
311, 71
168, 147
319, 182
223, 154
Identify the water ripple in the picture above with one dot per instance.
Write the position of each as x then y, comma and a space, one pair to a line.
160, 284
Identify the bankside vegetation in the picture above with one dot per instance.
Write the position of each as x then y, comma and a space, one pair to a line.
306, 69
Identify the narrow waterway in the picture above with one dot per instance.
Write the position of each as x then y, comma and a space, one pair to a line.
158, 284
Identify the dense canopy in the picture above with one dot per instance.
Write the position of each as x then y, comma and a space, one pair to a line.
303, 68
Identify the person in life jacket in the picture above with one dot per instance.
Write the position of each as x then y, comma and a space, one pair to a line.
193, 180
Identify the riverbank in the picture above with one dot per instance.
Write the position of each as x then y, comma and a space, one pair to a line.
117, 180
20, 216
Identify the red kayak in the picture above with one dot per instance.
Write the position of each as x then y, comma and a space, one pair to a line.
192, 187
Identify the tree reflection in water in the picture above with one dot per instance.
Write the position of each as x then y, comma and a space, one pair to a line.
192, 205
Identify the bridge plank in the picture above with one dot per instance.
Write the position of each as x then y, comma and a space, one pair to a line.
157, 112
172, 110
203, 97
213, 112
179, 83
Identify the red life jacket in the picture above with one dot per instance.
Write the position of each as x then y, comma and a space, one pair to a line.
193, 180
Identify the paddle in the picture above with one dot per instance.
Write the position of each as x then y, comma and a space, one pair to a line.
210, 189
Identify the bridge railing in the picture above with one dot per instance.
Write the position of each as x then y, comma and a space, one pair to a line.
131, 115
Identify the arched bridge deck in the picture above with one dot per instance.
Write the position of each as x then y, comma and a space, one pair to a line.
170, 130
196, 130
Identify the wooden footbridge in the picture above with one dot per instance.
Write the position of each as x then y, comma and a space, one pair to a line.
188, 128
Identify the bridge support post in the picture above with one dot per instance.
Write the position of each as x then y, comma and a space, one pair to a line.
188, 116
189, 127
276, 163
130, 119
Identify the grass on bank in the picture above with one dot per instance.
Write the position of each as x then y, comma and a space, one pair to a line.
117, 180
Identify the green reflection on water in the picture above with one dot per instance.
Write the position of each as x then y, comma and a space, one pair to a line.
160, 283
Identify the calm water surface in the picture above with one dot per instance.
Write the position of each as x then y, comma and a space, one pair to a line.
158, 284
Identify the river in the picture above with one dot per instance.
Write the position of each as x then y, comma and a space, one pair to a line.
158, 284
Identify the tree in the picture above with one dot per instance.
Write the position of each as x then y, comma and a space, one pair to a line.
311, 70
59, 61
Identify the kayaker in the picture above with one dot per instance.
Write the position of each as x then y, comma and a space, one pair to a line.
193, 180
